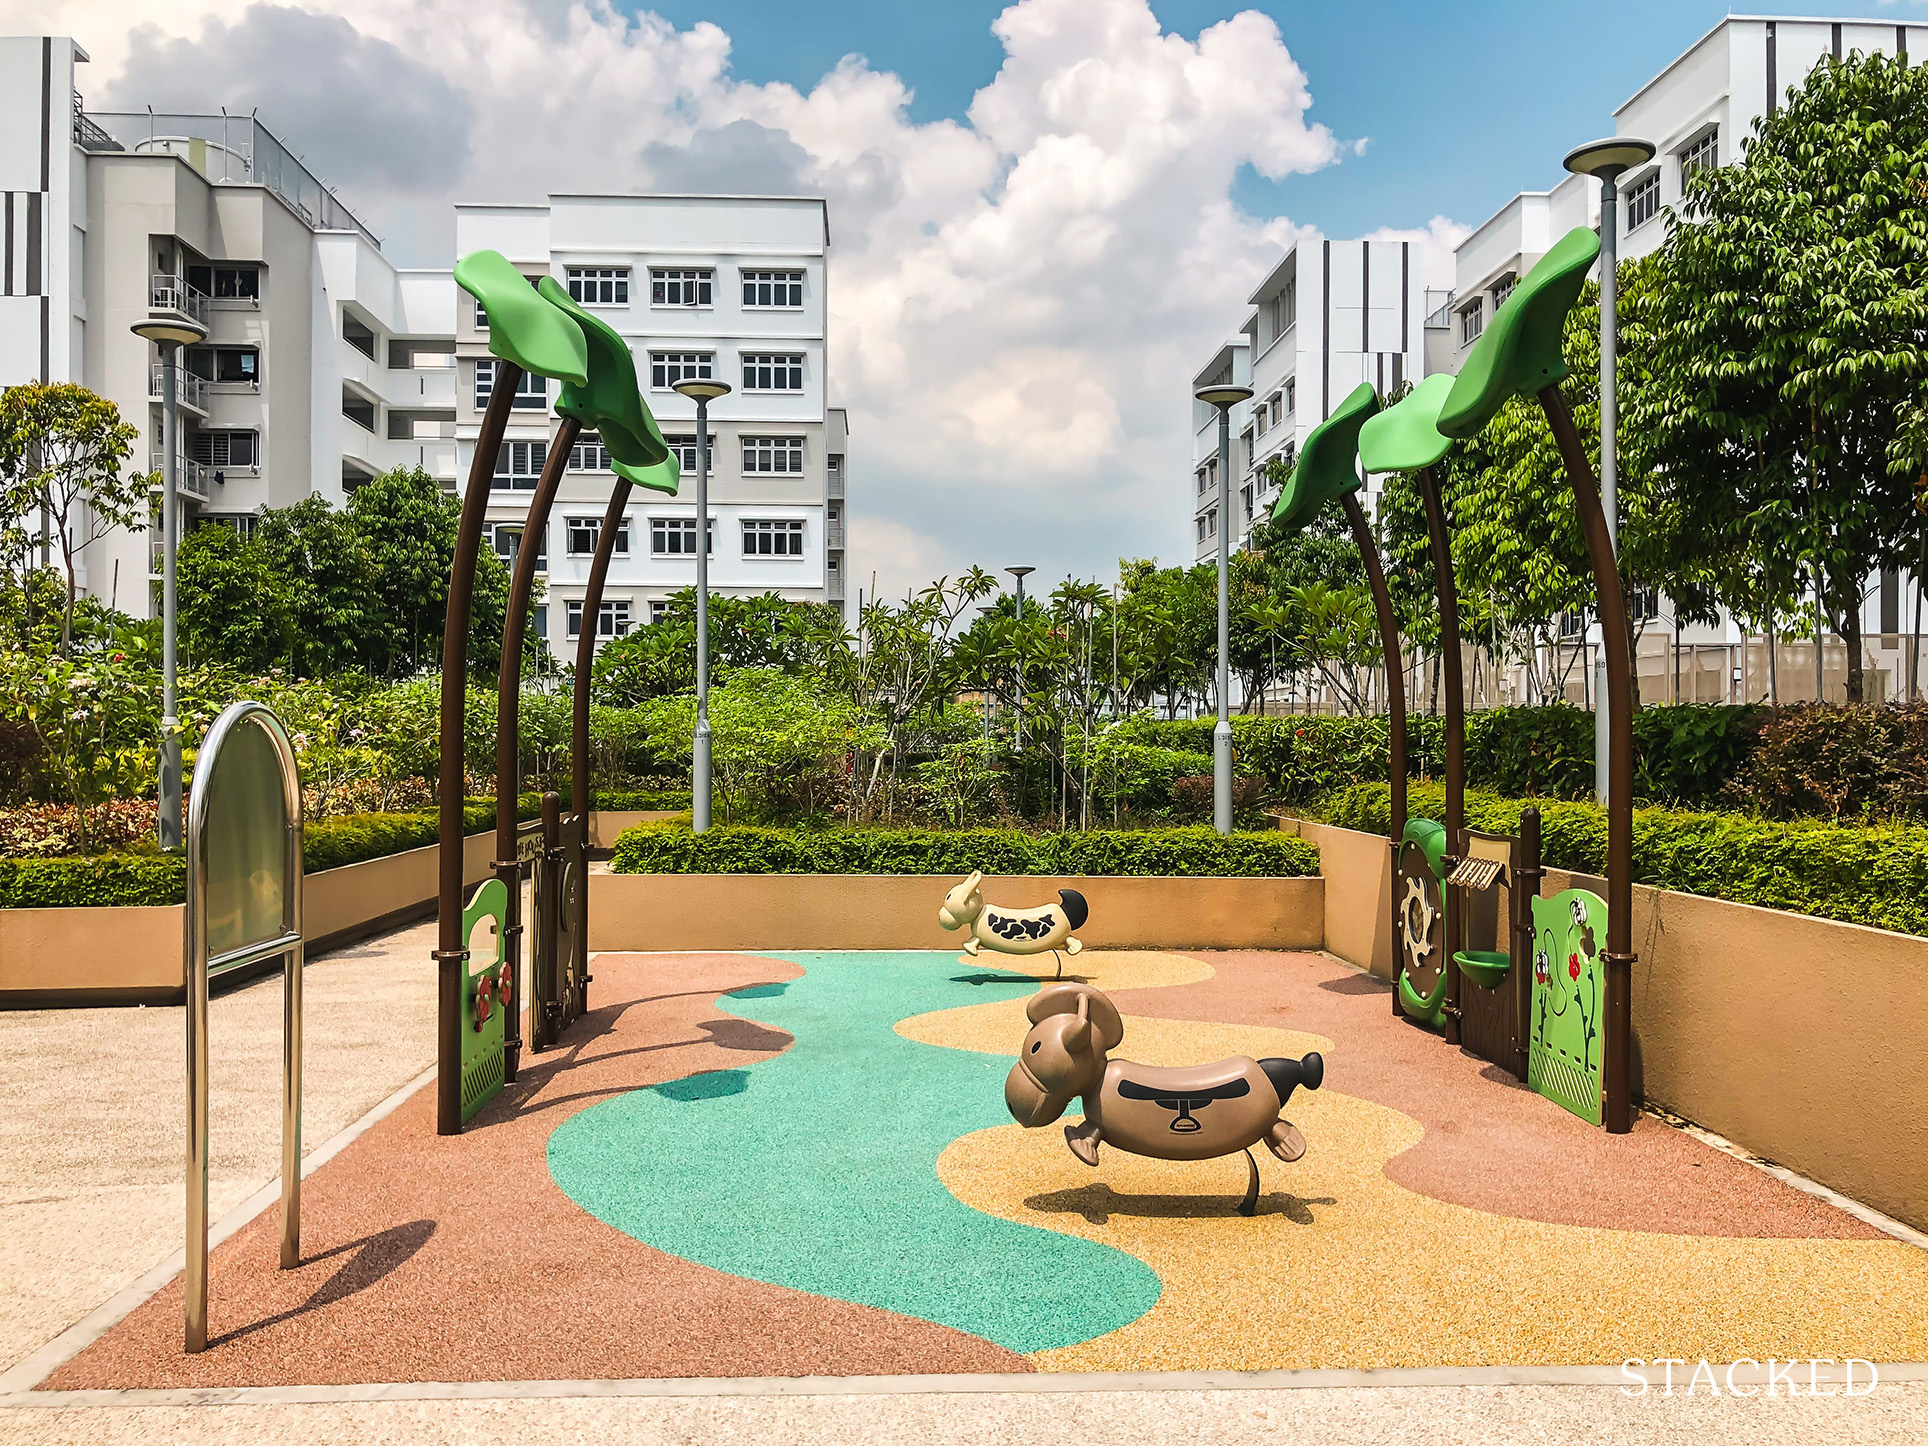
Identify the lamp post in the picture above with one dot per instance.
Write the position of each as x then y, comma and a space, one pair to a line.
170, 334
1607, 160
1017, 722
986, 609
1224, 398
702, 391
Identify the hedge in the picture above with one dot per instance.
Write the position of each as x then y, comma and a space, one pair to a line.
666, 848
1875, 875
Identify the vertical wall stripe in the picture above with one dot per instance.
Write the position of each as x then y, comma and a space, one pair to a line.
9, 208
46, 339
1773, 69
1837, 40
1405, 300
1325, 338
46, 111
35, 209
1901, 43
1365, 296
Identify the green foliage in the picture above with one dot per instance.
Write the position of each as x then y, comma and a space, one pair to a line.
233, 603
763, 631
1177, 852
1837, 763
1876, 876
330, 587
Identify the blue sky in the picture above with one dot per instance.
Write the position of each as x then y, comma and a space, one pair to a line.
1463, 104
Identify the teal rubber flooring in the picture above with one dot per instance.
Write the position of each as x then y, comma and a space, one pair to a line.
816, 1169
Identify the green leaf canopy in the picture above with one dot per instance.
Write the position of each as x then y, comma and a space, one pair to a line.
1406, 437
609, 402
1328, 464
523, 327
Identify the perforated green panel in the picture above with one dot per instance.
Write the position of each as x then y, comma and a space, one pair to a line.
1563, 1060
483, 1040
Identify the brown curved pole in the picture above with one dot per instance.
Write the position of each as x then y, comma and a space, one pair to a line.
1455, 820
508, 739
1616, 1081
1395, 702
451, 953
579, 723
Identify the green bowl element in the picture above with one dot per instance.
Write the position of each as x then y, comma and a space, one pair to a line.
1484, 967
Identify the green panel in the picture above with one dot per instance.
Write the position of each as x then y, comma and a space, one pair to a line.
1563, 1062
1406, 437
1328, 463
523, 327
1420, 945
1430, 835
246, 840
483, 1042
660, 478
1523, 350
609, 403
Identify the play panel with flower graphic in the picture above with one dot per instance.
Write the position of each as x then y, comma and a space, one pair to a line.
1569, 932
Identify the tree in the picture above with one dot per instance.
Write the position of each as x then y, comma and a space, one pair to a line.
332, 588
1791, 344
407, 527
233, 605
62, 449
766, 630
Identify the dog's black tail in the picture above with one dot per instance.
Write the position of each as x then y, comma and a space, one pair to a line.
1288, 1074
1075, 907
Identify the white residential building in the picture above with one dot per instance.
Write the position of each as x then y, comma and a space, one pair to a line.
323, 364
724, 286
1699, 111
1330, 315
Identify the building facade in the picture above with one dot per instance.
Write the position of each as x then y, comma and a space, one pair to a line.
323, 364
730, 288
1330, 315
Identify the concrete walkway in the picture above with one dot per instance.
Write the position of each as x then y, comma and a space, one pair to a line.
92, 1110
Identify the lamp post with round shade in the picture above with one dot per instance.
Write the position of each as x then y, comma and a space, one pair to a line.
702, 391
1607, 160
1017, 723
170, 334
1224, 398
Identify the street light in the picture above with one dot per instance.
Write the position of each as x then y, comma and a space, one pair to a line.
170, 334
1607, 160
1017, 722
986, 609
702, 391
1224, 397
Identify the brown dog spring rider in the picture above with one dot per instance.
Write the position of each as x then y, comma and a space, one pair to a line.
1197, 1112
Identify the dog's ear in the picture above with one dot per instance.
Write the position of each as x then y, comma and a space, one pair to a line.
970, 884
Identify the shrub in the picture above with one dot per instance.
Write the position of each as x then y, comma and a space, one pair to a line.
1177, 852
1874, 875
1838, 762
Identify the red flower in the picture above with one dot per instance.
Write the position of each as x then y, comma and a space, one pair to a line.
1573, 966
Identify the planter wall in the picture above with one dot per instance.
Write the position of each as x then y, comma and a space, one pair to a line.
876, 911
1800, 1039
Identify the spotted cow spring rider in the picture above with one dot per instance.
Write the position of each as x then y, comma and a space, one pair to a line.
1046, 928
1197, 1112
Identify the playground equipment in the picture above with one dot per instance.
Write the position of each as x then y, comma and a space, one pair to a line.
1566, 1059
244, 882
1046, 928
533, 327
1198, 1112
1328, 469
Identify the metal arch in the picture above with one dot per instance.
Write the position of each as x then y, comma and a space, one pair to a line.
1448, 593
200, 969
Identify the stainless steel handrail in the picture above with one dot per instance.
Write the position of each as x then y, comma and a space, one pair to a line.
200, 968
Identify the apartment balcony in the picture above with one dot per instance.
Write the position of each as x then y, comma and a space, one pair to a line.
189, 390
834, 485
191, 479
172, 296
833, 535
833, 590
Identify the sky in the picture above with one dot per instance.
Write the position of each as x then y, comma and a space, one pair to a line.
1044, 215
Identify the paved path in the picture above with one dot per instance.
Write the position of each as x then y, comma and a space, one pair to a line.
92, 1110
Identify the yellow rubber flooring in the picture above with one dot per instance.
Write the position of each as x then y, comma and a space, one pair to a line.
1341, 1267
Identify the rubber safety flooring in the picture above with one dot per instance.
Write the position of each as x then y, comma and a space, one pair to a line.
801, 1165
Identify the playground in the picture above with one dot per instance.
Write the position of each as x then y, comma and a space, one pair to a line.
800, 1165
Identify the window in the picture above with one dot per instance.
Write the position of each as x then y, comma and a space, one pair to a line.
667, 368
773, 288
1276, 412
531, 391
584, 532
358, 335
1702, 155
518, 464
225, 449
676, 536
589, 454
1245, 497
1202, 483
772, 372
1643, 201
227, 365
599, 285
612, 618
1285, 309
1502, 289
1245, 445
242, 524
508, 537
358, 409
1472, 321
1211, 523
481, 317
764, 537
227, 283
680, 288
684, 450
657, 607
781, 455
1290, 456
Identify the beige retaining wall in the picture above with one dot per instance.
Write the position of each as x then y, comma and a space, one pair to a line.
1800, 1039
871, 911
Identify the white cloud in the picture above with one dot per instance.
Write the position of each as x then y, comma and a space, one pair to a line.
1016, 299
